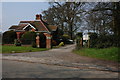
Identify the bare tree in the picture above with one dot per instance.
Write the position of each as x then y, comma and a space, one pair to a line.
109, 13
66, 15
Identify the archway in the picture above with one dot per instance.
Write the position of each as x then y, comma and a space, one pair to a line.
42, 40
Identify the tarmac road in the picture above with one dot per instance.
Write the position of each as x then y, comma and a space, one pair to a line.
16, 69
56, 63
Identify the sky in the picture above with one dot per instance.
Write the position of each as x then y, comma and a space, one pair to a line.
14, 12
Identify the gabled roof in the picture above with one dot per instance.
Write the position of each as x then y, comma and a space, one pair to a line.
26, 21
18, 27
40, 25
21, 26
14, 27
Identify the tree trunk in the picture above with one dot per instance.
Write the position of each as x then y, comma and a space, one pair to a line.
116, 18
71, 32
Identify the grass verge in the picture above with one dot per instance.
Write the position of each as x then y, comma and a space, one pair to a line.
105, 54
20, 49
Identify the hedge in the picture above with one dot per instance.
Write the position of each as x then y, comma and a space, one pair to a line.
104, 41
28, 38
9, 37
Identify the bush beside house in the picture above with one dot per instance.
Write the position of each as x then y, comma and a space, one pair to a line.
17, 42
56, 37
34, 45
65, 39
28, 37
9, 37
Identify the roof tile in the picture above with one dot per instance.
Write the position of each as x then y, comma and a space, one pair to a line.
40, 25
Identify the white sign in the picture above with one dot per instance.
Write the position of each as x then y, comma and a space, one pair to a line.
48, 37
85, 37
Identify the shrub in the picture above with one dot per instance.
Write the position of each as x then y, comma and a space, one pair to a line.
66, 39
34, 45
78, 43
93, 39
54, 43
66, 36
79, 40
61, 44
79, 34
56, 35
9, 37
28, 37
103, 41
17, 42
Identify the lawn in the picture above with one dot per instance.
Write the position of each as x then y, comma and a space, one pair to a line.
105, 54
20, 49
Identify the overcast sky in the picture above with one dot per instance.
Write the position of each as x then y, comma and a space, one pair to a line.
14, 12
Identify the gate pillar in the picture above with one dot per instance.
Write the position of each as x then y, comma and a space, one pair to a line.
38, 41
48, 40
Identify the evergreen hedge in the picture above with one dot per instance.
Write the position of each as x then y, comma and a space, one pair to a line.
28, 38
9, 37
104, 41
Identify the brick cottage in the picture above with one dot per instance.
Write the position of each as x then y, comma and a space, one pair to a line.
38, 25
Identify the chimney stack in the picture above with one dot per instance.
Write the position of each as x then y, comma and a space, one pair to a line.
38, 17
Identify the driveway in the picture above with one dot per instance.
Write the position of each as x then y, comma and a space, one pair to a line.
56, 63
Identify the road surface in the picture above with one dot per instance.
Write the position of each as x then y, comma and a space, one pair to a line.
56, 63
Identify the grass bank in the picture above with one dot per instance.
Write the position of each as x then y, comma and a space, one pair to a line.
105, 54
20, 49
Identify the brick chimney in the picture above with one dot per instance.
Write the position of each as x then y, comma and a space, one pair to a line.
38, 17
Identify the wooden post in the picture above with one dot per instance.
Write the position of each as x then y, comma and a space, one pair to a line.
88, 43
81, 42
78, 41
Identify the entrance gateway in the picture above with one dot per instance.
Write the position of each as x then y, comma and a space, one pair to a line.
44, 41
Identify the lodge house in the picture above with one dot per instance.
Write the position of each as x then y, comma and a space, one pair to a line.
37, 25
